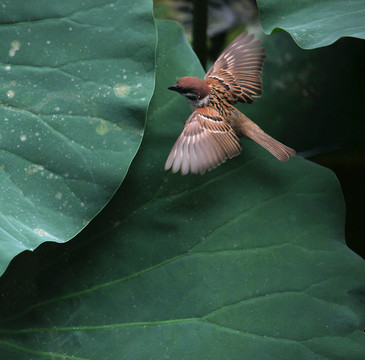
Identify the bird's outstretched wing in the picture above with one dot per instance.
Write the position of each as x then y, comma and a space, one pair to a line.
238, 70
206, 142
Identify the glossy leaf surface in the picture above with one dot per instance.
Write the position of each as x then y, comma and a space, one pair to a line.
313, 23
76, 79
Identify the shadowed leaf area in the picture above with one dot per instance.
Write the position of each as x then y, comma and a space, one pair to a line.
248, 261
76, 81
312, 100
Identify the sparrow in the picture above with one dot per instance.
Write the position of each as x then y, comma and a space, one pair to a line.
211, 134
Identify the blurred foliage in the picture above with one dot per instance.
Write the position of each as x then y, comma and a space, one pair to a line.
224, 15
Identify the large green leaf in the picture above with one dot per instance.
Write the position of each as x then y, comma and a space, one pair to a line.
246, 262
76, 79
314, 23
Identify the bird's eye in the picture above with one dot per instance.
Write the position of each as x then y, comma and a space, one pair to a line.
191, 96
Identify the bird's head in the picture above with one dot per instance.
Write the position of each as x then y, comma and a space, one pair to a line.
194, 89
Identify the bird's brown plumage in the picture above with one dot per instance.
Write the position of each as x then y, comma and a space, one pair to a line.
206, 142
211, 134
238, 70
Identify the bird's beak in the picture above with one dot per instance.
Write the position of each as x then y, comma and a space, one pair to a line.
173, 87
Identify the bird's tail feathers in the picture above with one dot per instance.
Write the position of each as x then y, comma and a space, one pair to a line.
244, 126
279, 150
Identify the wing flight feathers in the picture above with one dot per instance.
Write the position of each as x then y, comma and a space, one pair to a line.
205, 143
238, 69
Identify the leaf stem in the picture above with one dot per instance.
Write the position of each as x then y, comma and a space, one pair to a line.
200, 24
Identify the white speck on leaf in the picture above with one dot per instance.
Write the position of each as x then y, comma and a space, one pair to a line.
14, 47
10, 94
102, 128
32, 169
42, 232
121, 90
23, 137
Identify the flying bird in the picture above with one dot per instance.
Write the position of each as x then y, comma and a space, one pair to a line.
211, 134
